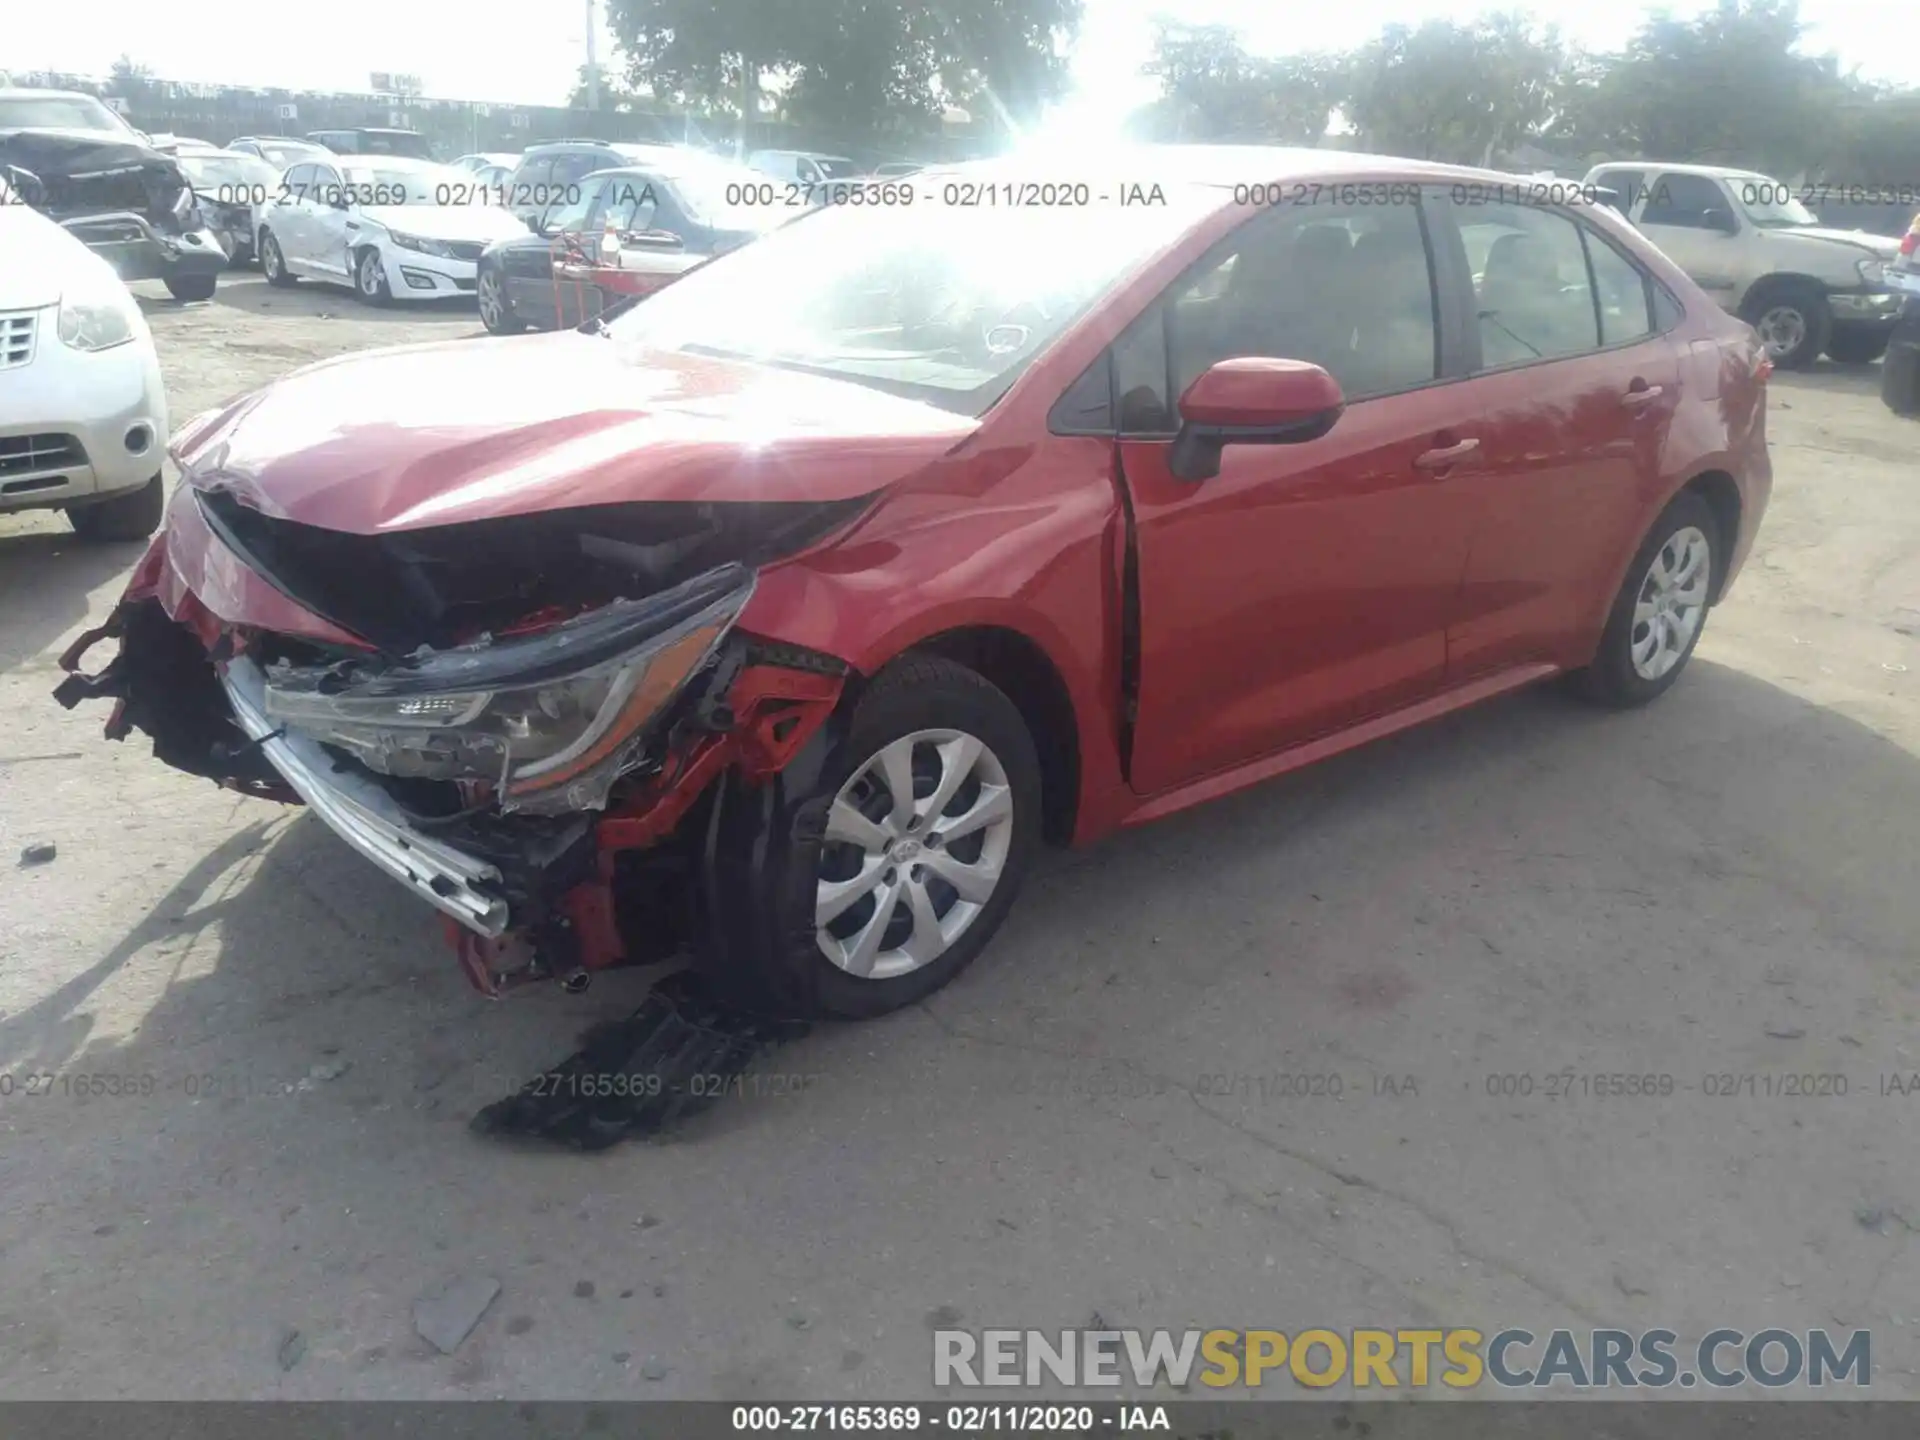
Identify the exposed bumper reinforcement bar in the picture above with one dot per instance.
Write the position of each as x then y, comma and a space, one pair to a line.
363, 815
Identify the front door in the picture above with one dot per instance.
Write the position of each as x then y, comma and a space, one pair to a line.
1305, 587
1678, 214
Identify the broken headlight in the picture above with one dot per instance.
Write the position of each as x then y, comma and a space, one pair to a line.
549, 721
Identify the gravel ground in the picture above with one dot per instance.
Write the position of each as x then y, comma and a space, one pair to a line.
1089, 1121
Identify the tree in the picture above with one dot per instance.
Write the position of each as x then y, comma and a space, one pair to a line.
129, 81
1727, 87
858, 66
1449, 91
1211, 89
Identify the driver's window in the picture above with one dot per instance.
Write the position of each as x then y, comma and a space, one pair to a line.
1347, 288
1684, 200
324, 189
630, 206
573, 211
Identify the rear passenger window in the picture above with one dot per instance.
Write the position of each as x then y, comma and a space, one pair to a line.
1347, 288
1621, 291
1534, 297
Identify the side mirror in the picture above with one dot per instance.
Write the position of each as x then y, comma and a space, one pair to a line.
1252, 400
1720, 220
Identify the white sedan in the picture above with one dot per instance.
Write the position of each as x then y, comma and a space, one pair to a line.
390, 227
83, 414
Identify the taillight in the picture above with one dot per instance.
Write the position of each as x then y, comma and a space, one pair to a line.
1910, 242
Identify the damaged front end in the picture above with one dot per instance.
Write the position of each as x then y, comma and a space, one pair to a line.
519, 719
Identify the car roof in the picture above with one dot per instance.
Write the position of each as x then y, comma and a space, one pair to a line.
47, 94
1215, 166
1674, 167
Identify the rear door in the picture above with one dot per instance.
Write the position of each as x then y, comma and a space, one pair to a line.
1575, 389
1305, 587
283, 215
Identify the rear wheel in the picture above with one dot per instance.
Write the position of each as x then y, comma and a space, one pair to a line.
272, 263
1857, 346
1794, 323
868, 877
370, 278
132, 516
1661, 609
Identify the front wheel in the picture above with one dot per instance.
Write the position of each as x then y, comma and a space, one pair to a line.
370, 278
874, 871
1660, 611
496, 311
192, 287
1794, 323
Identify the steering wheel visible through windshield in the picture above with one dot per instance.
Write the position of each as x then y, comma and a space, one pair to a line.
945, 303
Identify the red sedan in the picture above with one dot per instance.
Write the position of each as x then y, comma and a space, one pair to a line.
779, 620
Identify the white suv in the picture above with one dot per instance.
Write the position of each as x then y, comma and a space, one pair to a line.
1749, 242
84, 423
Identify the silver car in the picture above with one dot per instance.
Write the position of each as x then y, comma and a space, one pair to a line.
83, 425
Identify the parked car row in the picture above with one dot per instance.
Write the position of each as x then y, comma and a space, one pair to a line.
1747, 240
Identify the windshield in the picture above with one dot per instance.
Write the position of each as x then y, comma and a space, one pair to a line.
937, 302
1770, 204
59, 112
835, 167
721, 196
407, 184
285, 153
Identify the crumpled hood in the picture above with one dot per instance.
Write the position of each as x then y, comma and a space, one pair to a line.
87, 172
437, 434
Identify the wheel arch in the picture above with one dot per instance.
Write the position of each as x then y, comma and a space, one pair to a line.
1722, 494
1775, 281
1022, 670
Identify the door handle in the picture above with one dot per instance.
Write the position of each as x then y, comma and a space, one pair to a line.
1446, 456
1640, 393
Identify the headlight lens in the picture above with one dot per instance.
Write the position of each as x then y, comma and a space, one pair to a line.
1872, 272
550, 721
97, 316
422, 244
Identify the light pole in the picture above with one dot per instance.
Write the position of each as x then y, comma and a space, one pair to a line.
593, 66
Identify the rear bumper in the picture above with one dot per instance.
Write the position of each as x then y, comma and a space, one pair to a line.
138, 251
363, 815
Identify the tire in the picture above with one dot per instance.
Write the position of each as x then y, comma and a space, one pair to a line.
272, 263
1900, 380
370, 277
1613, 678
496, 311
1854, 346
1797, 314
777, 855
132, 516
192, 287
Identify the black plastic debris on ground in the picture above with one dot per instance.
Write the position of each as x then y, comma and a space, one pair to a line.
631, 1079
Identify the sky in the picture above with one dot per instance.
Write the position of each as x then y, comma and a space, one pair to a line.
494, 51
